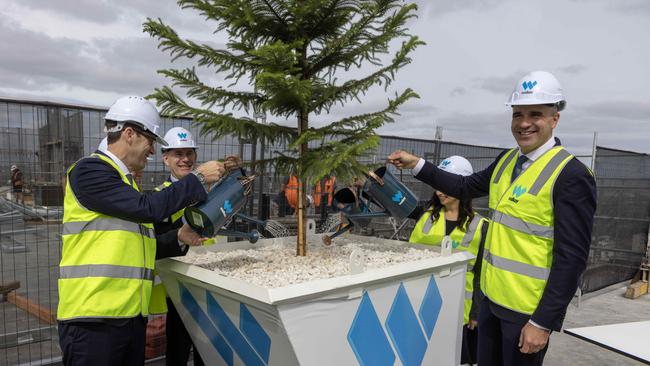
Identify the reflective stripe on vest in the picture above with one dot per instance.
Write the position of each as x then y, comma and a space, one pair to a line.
505, 264
106, 268
521, 225
519, 248
432, 233
106, 224
176, 215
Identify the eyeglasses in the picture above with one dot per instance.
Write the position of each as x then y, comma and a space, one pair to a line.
150, 137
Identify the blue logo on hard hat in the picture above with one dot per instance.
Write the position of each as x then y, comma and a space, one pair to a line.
445, 162
249, 341
409, 333
182, 136
529, 85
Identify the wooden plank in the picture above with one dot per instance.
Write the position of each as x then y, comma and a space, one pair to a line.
636, 289
6, 287
41, 312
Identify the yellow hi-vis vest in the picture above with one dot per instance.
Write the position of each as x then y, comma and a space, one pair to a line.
519, 248
432, 233
158, 304
106, 268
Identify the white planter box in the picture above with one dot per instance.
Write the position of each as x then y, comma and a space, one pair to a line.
406, 314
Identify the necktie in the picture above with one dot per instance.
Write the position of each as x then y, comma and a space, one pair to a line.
518, 167
130, 177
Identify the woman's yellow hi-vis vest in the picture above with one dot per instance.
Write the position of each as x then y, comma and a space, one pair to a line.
519, 248
432, 233
106, 268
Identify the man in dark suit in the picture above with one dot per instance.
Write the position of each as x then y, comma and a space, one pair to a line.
109, 244
542, 202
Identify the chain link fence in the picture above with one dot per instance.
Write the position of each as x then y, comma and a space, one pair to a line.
44, 138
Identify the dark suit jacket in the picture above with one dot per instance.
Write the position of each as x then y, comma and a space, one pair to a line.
574, 205
99, 187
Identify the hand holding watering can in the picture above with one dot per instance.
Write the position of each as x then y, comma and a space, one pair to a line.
212, 171
188, 236
403, 160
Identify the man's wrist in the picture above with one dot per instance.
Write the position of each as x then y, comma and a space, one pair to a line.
180, 242
199, 176
538, 326
418, 167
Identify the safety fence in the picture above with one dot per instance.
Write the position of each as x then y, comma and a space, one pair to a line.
42, 139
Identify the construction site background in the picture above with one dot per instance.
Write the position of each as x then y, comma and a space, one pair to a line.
44, 138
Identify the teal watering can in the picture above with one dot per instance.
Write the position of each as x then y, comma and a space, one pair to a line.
224, 201
383, 189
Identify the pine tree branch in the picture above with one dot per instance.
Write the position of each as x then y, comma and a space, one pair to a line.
222, 60
220, 124
208, 96
364, 40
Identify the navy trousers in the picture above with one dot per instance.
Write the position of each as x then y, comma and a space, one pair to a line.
498, 341
179, 342
103, 343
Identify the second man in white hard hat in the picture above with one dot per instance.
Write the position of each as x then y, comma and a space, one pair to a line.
180, 157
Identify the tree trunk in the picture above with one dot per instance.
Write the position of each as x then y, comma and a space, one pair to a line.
301, 249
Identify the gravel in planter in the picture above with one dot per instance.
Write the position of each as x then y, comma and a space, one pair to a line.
277, 265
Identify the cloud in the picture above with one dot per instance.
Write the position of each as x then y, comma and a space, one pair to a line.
437, 8
574, 69
98, 11
626, 7
616, 111
458, 91
35, 61
498, 84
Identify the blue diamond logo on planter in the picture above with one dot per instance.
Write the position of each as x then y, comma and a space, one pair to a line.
367, 337
430, 308
405, 331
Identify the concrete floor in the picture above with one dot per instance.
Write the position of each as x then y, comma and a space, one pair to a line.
607, 306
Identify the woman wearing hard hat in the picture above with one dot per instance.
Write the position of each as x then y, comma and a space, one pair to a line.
453, 219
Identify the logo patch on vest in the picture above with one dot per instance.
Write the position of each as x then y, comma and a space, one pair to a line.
517, 192
455, 244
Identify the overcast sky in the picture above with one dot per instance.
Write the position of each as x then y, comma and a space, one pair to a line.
92, 51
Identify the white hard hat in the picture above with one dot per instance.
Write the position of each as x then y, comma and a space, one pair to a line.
136, 110
456, 165
538, 87
13, 167
103, 145
179, 138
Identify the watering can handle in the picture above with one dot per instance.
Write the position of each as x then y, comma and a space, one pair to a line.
374, 176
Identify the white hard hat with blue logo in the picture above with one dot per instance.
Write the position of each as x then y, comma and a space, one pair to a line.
538, 87
179, 138
457, 165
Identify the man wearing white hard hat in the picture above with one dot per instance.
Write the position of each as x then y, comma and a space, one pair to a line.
109, 244
454, 220
542, 202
